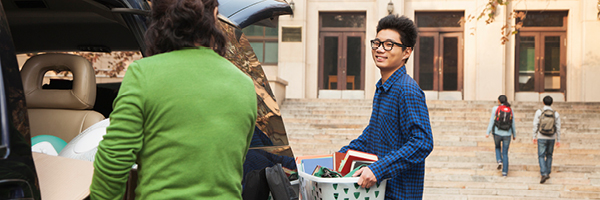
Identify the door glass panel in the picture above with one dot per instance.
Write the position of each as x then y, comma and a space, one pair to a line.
552, 63
330, 63
426, 54
450, 68
343, 20
527, 64
353, 63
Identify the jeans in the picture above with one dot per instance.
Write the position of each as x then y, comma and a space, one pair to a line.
502, 153
545, 149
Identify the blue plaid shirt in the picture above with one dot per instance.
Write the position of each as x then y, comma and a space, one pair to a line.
399, 133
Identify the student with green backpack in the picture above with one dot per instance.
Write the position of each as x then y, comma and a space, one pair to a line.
546, 130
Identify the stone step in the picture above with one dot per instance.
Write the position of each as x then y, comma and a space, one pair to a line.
521, 159
327, 116
453, 112
576, 124
446, 104
443, 102
434, 124
525, 133
487, 115
572, 138
346, 105
442, 119
499, 194
478, 113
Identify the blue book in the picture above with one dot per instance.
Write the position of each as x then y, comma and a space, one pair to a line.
310, 164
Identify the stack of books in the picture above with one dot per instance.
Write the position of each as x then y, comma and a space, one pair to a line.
342, 163
353, 159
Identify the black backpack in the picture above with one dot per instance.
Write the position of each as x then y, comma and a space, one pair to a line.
255, 185
547, 120
504, 117
279, 184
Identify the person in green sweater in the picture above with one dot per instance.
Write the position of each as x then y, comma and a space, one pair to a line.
185, 115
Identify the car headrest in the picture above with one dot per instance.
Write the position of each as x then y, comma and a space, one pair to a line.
81, 96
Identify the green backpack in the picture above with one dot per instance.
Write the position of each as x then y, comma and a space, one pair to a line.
547, 120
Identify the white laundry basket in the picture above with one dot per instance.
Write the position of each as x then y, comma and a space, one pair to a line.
317, 188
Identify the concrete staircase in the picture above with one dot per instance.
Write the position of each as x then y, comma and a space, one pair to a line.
462, 164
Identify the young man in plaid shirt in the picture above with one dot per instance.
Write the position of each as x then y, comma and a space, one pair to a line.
399, 131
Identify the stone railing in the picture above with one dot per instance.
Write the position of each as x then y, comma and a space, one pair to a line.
278, 87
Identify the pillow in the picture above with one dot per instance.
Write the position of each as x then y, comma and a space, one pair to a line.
85, 145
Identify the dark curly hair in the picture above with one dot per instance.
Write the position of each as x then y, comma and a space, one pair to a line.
403, 25
176, 24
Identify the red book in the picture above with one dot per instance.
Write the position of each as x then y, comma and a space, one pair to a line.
352, 155
337, 160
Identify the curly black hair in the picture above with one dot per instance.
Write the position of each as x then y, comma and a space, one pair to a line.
401, 24
176, 24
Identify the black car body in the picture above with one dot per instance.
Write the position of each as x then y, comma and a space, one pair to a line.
31, 26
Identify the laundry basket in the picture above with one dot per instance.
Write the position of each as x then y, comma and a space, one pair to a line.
316, 188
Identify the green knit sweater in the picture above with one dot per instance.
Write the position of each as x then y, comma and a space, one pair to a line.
186, 118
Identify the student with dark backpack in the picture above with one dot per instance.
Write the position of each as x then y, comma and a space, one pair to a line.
502, 125
546, 130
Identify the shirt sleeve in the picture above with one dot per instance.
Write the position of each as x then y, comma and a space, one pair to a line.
491, 123
557, 124
419, 145
118, 150
536, 123
514, 125
359, 143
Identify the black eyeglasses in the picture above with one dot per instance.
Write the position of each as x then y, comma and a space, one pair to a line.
387, 45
